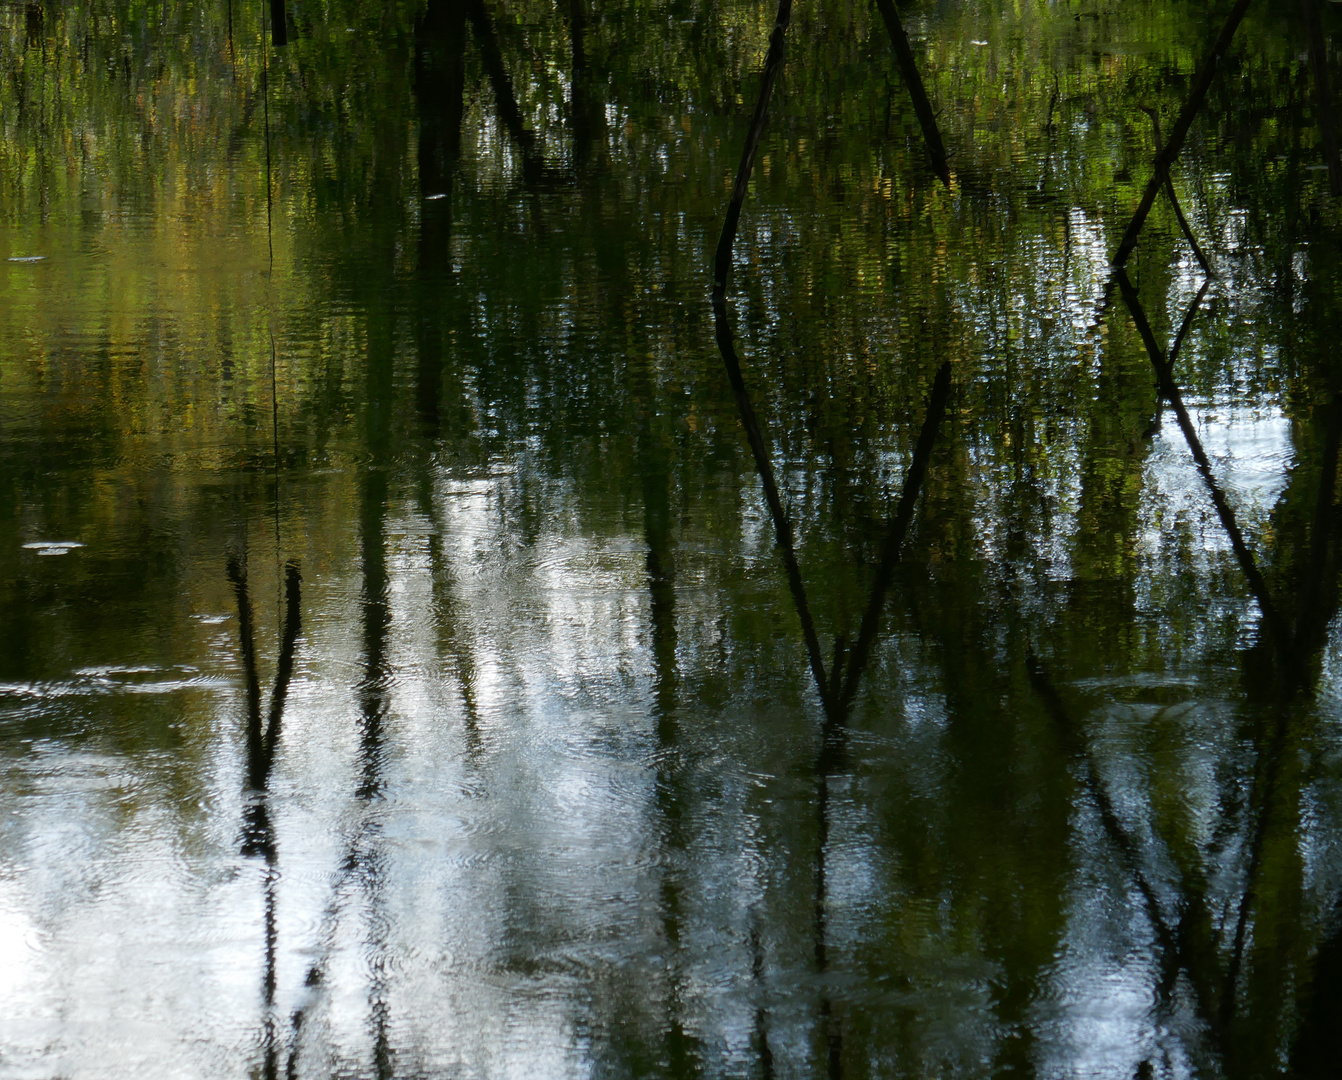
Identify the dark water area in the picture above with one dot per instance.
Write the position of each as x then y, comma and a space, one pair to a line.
424, 654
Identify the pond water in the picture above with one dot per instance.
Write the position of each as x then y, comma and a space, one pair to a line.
400, 674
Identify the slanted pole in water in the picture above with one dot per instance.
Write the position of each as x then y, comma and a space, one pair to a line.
922, 107
258, 836
894, 540
1167, 156
773, 64
1278, 631
1174, 202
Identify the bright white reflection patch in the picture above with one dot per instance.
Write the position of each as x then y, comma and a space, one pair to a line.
1250, 450
53, 547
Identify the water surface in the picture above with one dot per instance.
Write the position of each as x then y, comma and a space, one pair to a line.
399, 675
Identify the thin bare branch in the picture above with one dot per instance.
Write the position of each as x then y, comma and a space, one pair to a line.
922, 107
1179, 210
894, 538
1167, 156
1277, 629
773, 64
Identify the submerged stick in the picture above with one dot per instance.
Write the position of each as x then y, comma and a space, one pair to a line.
1166, 157
773, 64
257, 835
1170, 391
894, 537
922, 108
781, 522
237, 574
284, 669
1184, 326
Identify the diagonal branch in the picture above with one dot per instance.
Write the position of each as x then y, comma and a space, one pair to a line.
1178, 210
894, 539
237, 575
284, 670
922, 107
782, 523
1277, 629
258, 836
1166, 157
773, 64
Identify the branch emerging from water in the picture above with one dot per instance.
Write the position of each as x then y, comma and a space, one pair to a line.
1167, 156
773, 64
894, 539
1178, 210
922, 107
237, 575
258, 838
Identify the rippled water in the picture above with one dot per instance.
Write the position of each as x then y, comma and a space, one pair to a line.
399, 674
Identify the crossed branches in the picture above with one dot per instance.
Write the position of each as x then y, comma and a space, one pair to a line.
1189, 944
837, 686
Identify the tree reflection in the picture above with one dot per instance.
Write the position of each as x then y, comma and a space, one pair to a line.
1038, 717
258, 834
